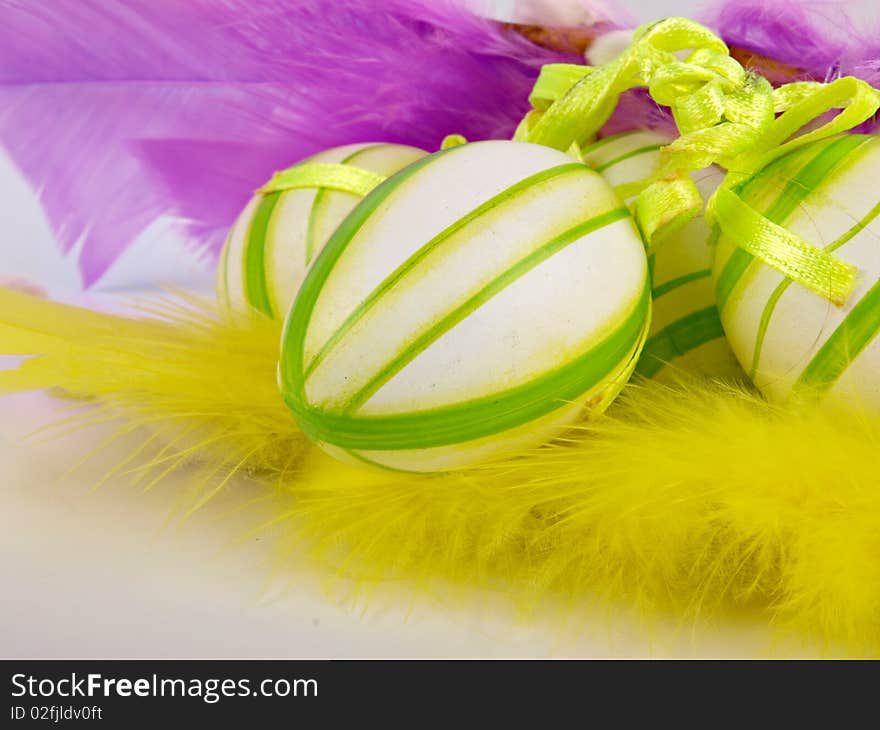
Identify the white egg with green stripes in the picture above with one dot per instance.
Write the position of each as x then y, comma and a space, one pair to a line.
686, 333
278, 234
792, 342
471, 306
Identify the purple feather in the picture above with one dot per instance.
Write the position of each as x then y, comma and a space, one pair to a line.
782, 30
121, 112
817, 36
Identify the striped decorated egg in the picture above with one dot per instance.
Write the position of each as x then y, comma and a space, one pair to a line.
470, 306
277, 235
788, 339
686, 333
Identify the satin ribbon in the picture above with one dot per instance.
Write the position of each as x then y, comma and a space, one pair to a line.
344, 178
452, 140
726, 116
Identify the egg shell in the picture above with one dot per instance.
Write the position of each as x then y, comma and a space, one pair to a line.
790, 340
273, 241
686, 333
472, 305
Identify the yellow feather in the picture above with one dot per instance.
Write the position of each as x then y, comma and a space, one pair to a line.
690, 497
206, 386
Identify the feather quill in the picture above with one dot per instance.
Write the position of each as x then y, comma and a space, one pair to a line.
694, 497
121, 112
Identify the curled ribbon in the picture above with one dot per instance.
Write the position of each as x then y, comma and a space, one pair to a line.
726, 116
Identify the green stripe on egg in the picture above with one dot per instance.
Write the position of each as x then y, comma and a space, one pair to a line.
791, 340
475, 303
681, 337
858, 329
500, 282
672, 284
817, 164
256, 284
507, 197
770, 307
271, 245
686, 332
637, 152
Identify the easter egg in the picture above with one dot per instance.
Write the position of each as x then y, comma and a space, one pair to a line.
686, 333
790, 340
278, 234
472, 305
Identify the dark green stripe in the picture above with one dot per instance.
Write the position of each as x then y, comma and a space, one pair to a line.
853, 335
501, 282
375, 296
679, 338
256, 288
628, 155
680, 281
479, 417
770, 307
798, 188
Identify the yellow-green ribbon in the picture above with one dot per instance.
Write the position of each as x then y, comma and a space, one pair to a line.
809, 265
726, 116
452, 140
580, 112
344, 178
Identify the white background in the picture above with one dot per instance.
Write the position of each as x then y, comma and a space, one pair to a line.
102, 573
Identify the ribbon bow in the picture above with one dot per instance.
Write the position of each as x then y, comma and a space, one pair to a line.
726, 116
